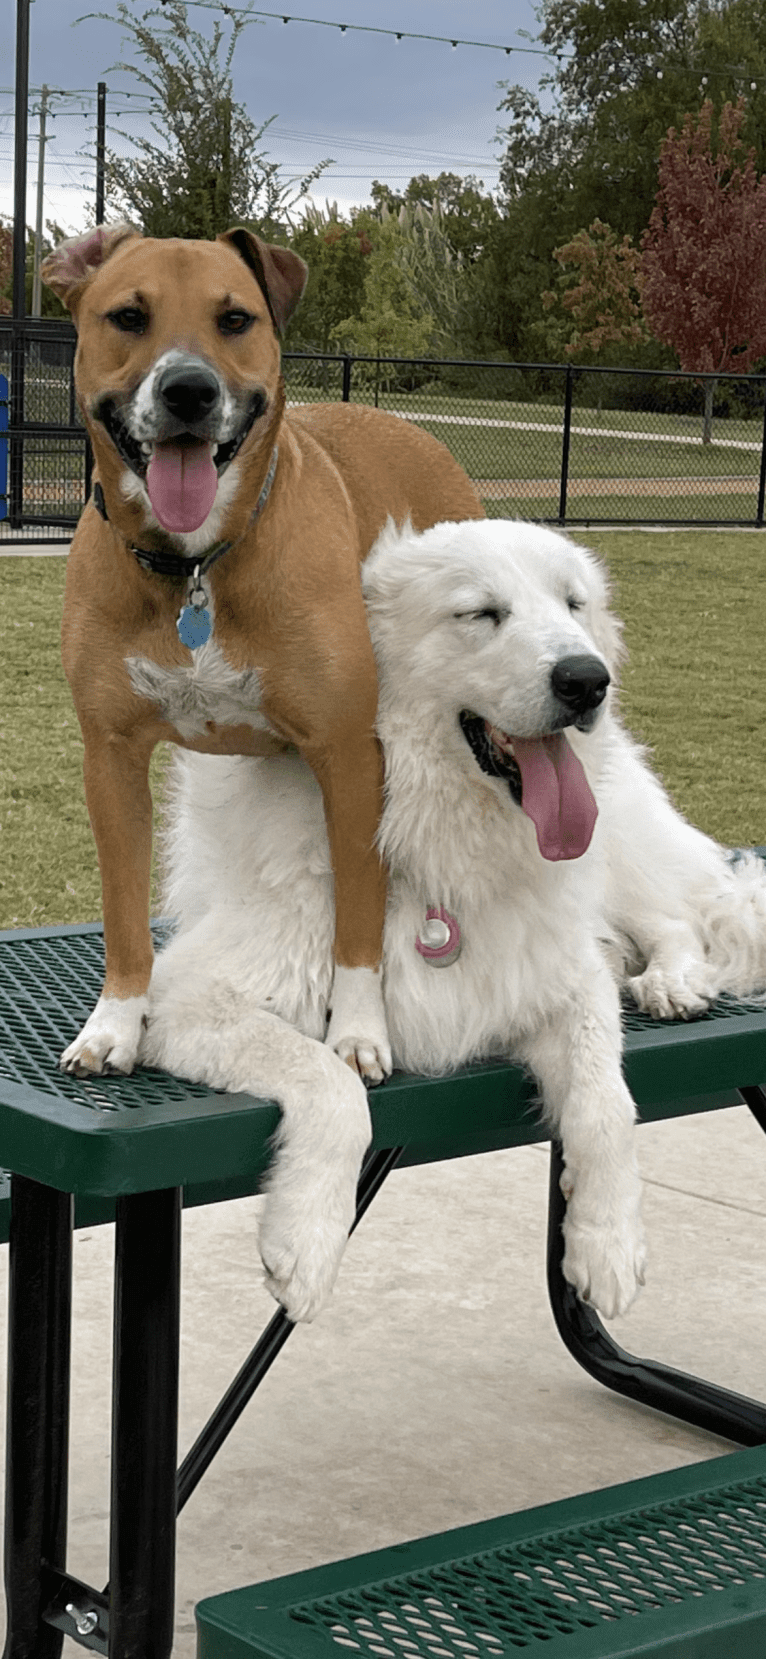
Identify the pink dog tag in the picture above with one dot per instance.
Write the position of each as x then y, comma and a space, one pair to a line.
439, 941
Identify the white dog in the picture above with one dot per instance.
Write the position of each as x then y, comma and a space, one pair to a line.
531, 853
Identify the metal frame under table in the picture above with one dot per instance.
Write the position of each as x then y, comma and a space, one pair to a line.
81, 1151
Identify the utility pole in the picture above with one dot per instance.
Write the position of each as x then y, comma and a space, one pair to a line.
16, 481
36, 284
100, 149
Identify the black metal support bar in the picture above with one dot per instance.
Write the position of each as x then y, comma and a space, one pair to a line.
77, 1610
37, 1433
762, 476
660, 1386
346, 391
755, 1098
260, 1359
565, 443
145, 1424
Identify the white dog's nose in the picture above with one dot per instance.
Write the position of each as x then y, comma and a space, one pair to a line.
580, 683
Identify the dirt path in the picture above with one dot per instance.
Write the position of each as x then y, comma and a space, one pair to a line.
547, 489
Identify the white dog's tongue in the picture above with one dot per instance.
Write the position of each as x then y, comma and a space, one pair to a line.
182, 483
556, 795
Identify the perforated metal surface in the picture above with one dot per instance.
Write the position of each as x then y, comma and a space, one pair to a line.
524, 1595
48, 986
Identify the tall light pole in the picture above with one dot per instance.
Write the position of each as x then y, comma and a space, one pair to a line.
16, 411
100, 149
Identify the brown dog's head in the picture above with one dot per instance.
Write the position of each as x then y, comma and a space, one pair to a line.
177, 365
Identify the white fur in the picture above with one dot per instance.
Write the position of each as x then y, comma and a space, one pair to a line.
109, 1039
357, 1029
203, 691
250, 882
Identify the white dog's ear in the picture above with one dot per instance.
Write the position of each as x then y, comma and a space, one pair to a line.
381, 567
74, 262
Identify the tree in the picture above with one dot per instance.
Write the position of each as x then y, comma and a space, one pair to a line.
6, 267
392, 322
622, 71
466, 212
336, 253
51, 305
703, 266
598, 291
207, 172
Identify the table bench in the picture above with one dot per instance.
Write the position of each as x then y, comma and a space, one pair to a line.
137, 1149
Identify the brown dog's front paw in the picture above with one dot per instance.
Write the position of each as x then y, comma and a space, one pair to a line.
109, 1040
357, 1029
369, 1063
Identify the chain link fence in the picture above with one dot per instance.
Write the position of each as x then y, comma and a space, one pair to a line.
556, 444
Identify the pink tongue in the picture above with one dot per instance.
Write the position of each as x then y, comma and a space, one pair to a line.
556, 795
182, 482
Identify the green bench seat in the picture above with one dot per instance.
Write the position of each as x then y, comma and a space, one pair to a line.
672, 1565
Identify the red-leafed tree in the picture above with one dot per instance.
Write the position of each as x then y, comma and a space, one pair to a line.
703, 264
6, 266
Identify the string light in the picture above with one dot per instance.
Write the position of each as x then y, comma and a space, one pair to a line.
364, 28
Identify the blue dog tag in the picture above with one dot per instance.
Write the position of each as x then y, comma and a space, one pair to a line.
195, 625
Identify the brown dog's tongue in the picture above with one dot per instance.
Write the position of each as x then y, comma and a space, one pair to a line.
182, 481
556, 795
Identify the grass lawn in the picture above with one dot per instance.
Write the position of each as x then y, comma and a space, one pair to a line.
693, 604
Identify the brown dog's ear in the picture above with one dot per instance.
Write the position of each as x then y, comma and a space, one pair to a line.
279, 272
75, 261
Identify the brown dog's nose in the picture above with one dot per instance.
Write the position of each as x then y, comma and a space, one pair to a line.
188, 392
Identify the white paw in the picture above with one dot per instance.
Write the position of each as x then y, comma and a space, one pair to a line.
357, 1030
310, 1199
110, 1038
604, 1259
667, 996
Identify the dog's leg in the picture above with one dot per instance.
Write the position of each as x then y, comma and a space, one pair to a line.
201, 1026
576, 1058
351, 778
120, 807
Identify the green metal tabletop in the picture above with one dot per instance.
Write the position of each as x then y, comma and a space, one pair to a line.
103, 1137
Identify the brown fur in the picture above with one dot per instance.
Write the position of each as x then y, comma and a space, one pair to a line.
287, 596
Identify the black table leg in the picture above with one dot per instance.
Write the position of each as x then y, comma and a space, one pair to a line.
691, 1398
37, 1436
145, 1425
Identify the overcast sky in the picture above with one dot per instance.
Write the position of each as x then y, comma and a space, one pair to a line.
381, 108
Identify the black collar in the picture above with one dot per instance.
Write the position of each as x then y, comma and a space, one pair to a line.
177, 564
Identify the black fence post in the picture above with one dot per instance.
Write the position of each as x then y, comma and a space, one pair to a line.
565, 445
346, 392
762, 479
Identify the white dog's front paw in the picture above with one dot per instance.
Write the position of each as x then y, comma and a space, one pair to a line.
110, 1038
310, 1200
604, 1260
357, 1030
303, 1234
670, 996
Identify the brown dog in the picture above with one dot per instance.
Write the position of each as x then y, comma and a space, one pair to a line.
213, 595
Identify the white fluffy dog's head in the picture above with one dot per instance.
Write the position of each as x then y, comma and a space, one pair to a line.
495, 638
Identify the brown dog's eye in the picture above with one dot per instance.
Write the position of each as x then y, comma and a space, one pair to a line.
234, 322
129, 319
